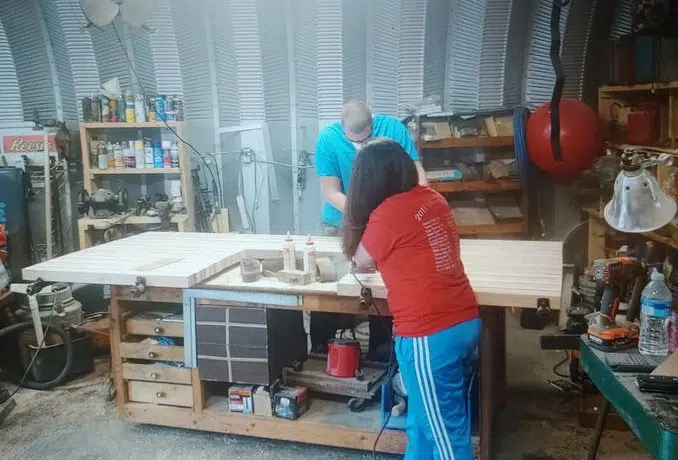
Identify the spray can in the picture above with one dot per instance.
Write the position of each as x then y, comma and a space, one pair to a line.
171, 108
130, 115
96, 108
139, 154
87, 109
160, 108
148, 154
289, 253
113, 107
150, 115
118, 156
166, 154
139, 108
120, 109
310, 259
179, 108
105, 109
157, 154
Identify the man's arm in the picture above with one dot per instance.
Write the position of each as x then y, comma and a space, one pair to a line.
330, 187
421, 173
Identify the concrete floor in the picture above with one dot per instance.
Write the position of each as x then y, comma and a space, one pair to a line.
75, 422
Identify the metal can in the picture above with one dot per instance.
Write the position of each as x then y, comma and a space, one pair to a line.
113, 107
87, 109
170, 108
179, 115
151, 115
103, 161
96, 108
105, 110
130, 115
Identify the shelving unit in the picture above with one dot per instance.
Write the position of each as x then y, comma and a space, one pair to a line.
504, 227
92, 176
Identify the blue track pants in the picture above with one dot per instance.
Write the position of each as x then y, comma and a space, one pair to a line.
436, 371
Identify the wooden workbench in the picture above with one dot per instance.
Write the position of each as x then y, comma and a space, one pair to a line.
187, 268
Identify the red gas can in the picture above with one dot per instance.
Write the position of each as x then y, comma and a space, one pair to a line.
343, 358
641, 127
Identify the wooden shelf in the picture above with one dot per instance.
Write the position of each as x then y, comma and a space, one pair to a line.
503, 185
116, 171
130, 219
502, 228
654, 236
469, 142
125, 125
643, 87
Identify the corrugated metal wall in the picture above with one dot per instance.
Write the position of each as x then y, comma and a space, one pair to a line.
236, 61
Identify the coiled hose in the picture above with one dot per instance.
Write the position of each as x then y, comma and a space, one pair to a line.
23, 380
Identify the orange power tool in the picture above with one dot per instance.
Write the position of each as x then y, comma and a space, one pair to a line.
615, 275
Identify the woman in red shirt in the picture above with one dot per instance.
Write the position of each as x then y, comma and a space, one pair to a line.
409, 233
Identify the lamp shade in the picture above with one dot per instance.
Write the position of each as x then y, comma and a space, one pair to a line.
638, 204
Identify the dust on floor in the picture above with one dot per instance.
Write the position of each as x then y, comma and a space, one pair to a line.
75, 422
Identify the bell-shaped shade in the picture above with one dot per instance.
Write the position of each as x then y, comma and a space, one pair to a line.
638, 204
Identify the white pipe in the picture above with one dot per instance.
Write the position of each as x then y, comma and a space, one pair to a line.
294, 120
48, 198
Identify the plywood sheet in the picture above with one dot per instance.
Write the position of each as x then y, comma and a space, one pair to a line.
502, 273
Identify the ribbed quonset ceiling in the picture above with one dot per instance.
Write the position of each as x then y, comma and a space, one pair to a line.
230, 59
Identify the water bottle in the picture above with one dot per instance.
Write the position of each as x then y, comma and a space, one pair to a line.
655, 314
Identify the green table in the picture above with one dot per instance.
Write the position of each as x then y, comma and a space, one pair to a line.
652, 417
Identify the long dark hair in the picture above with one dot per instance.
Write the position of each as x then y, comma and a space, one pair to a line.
381, 169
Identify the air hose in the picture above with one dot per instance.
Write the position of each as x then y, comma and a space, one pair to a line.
24, 380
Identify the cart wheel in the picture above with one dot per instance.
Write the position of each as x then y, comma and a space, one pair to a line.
359, 376
298, 366
357, 404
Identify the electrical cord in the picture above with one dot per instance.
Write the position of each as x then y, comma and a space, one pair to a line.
364, 288
143, 90
559, 364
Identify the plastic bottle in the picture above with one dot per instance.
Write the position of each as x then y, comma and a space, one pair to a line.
140, 108
310, 259
110, 150
166, 154
148, 154
157, 154
139, 154
655, 302
289, 253
118, 156
129, 158
174, 155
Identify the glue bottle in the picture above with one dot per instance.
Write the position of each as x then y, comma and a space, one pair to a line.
310, 263
289, 253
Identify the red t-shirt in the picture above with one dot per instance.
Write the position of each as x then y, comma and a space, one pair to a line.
414, 241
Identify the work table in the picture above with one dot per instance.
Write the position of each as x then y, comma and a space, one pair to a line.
199, 274
502, 273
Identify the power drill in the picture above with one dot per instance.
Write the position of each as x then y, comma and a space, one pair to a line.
615, 275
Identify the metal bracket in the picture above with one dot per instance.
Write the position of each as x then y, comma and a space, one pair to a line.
366, 299
138, 288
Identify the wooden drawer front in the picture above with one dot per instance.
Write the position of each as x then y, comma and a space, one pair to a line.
143, 326
152, 352
156, 373
160, 393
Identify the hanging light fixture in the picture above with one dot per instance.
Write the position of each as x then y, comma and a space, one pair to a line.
639, 204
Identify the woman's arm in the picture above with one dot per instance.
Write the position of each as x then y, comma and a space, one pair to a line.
363, 259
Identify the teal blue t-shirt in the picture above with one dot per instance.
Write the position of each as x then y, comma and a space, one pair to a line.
334, 155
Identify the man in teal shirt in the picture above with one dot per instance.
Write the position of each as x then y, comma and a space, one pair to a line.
335, 151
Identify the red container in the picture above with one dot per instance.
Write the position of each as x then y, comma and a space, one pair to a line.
641, 126
343, 358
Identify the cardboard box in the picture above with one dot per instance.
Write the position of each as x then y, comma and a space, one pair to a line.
435, 130
262, 402
241, 399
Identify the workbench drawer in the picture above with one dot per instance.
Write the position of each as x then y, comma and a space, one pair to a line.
155, 323
139, 350
160, 393
156, 373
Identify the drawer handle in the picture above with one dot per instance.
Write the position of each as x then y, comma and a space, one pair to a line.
159, 330
152, 354
155, 376
160, 394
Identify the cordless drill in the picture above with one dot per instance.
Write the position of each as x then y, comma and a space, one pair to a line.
614, 275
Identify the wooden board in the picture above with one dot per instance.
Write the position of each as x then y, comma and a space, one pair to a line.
502, 273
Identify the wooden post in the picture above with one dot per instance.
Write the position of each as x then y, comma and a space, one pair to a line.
117, 332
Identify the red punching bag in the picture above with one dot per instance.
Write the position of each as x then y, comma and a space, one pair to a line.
581, 138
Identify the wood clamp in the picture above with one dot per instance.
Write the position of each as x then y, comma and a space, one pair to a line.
138, 288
